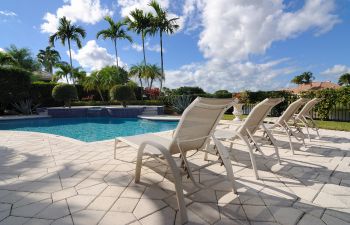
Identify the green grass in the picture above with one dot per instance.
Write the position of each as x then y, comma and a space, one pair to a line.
330, 125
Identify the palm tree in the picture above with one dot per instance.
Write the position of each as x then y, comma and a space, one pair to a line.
68, 32
114, 32
78, 75
48, 58
162, 24
23, 58
152, 72
344, 79
140, 22
138, 70
64, 69
95, 82
308, 77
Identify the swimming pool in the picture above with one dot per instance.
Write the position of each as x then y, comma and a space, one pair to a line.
89, 129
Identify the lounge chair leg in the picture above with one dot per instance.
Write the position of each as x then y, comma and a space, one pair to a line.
252, 157
116, 141
273, 141
139, 163
227, 162
288, 131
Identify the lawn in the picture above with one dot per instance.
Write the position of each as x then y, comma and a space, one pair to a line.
330, 125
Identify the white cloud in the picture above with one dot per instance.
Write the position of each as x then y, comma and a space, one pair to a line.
215, 75
7, 13
336, 70
93, 57
86, 11
148, 46
234, 30
129, 5
2, 50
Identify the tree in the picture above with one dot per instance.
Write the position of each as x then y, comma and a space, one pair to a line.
162, 24
6, 59
48, 58
66, 31
122, 93
64, 69
65, 93
95, 82
304, 78
152, 72
114, 32
23, 58
112, 75
140, 22
78, 75
138, 71
344, 79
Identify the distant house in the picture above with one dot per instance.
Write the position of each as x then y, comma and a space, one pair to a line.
313, 86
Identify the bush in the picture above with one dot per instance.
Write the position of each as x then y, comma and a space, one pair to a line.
41, 94
65, 93
180, 103
14, 86
222, 94
122, 93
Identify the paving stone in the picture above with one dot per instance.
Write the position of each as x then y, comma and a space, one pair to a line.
125, 205
65, 193
331, 220
14, 220
310, 220
286, 215
147, 206
102, 203
31, 209
67, 220
209, 212
164, 216
258, 213
232, 211
87, 217
112, 191
79, 202
118, 218
55, 210
35, 221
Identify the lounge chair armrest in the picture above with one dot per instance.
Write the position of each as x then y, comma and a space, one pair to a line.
158, 146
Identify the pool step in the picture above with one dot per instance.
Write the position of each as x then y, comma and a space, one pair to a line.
148, 111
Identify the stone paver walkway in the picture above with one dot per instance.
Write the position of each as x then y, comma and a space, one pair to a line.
45, 179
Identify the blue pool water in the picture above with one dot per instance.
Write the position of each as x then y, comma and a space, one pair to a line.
89, 129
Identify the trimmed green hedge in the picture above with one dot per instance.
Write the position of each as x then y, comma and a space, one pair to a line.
14, 86
65, 93
41, 94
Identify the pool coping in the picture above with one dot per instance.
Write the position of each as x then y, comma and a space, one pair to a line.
23, 117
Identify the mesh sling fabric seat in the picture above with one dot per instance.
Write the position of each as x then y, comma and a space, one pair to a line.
288, 115
305, 117
194, 131
248, 128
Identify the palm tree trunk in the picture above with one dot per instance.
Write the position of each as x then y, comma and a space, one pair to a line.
141, 87
143, 48
161, 57
100, 93
116, 51
150, 87
70, 59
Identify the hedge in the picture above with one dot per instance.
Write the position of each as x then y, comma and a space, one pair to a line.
41, 94
14, 86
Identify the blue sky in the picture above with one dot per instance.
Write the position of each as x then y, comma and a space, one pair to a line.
223, 44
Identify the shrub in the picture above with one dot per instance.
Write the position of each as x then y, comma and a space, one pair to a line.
65, 93
14, 86
41, 94
122, 93
180, 103
222, 94
153, 93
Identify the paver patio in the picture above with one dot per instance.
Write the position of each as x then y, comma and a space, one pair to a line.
46, 179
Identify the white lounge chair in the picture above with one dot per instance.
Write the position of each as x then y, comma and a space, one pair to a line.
194, 131
305, 117
283, 122
248, 128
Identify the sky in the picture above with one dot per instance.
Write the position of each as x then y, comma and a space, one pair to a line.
221, 44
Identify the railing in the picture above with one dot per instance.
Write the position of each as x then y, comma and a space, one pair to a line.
338, 113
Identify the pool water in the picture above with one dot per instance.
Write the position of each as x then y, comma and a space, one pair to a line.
89, 129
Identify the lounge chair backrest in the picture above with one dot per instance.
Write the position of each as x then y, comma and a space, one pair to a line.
305, 111
257, 115
197, 123
291, 110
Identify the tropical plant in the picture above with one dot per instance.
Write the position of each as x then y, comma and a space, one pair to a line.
141, 23
222, 94
112, 75
162, 24
152, 72
95, 82
344, 79
122, 93
138, 70
66, 31
189, 91
23, 58
78, 75
48, 58
25, 107
180, 103
114, 32
304, 78
6, 59
63, 71
65, 93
